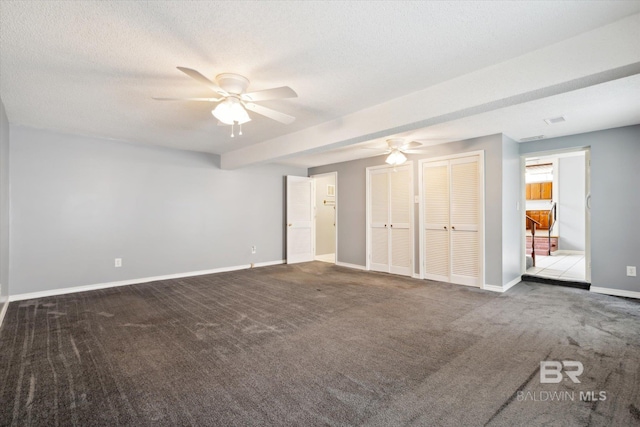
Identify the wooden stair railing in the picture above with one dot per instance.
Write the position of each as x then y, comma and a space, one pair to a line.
551, 220
532, 225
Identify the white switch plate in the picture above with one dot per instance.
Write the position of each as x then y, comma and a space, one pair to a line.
253, 249
118, 262
631, 270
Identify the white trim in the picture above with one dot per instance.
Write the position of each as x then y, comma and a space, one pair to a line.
615, 292
63, 291
505, 288
512, 283
416, 276
267, 263
5, 306
354, 266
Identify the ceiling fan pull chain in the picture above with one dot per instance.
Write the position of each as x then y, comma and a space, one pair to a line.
232, 124
240, 125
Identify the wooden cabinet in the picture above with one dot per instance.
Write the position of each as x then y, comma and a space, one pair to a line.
539, 191
541, 216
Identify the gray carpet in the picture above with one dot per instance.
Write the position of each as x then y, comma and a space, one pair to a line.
315, 344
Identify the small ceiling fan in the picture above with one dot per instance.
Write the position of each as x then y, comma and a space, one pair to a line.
233, 101
397, 149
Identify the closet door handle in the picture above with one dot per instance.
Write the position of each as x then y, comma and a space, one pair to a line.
391, 226
445, 227
453, 228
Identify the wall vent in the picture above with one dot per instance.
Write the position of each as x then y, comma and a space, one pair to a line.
532, 138
555, 120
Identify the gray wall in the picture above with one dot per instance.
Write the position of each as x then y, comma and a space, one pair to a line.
4, 206
79, 202
615, 204
511, 212
571, 181
325, 217
352, 200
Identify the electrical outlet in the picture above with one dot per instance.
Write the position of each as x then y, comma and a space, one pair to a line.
631, 270
253, 249
118, 262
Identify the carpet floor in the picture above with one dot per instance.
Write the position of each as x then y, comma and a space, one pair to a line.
316, 344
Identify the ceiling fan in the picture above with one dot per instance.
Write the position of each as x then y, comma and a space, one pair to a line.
233, 100
397, 147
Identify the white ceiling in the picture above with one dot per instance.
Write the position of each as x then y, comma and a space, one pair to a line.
92, 68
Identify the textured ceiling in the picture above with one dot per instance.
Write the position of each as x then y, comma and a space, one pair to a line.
92, 67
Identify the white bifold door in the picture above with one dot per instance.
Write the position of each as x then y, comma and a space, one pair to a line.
300, 196
451, 210
389, 214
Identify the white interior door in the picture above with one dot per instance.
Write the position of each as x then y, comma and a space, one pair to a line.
464, 221
379, 220
401, 189
435, 220
300, 242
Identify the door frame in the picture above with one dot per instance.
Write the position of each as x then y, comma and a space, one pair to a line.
523, 203
368, 214
481, 220
320, 175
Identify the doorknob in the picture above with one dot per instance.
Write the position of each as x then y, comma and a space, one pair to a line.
391, 225
453, 228
290, 225
445, 227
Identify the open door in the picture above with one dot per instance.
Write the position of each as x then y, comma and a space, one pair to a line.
300, 241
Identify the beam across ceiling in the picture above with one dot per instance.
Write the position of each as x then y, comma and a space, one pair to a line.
608, 53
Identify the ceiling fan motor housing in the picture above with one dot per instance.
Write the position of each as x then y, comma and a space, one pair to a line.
232, 83
395, 143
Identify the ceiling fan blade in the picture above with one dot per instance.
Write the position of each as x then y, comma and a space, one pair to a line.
202, 79
411, 145
267, 94
189, 99
268, 112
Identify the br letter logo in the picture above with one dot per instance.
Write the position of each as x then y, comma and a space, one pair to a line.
551, 371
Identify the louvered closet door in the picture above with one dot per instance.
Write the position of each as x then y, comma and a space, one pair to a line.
400, 227
435, 188
464, 220
379, 222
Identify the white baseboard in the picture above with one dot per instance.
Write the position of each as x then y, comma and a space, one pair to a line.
268, 263
416, 275
501, 289
3, 310
512, 283
62, 291
615, 292
355, 266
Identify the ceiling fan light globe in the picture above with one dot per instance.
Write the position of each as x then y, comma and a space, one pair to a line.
396, 158
230, 111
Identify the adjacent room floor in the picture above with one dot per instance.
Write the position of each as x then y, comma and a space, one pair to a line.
559, 266
317, 344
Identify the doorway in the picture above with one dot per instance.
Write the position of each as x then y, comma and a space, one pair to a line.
326, 218
556, 217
